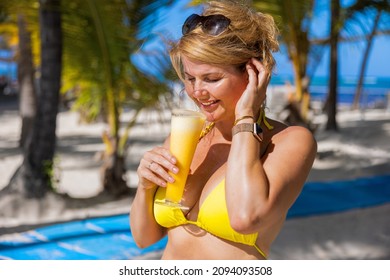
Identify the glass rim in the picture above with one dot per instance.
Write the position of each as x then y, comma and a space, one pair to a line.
187, 113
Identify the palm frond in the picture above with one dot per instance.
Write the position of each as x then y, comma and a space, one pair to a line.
100, 39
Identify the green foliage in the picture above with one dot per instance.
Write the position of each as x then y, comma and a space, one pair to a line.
99, 39
52, 170
89, 102
97, 49
356, 15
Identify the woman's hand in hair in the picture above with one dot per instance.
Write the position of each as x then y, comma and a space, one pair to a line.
255, 93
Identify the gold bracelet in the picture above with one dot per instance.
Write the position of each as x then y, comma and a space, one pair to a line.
244, 117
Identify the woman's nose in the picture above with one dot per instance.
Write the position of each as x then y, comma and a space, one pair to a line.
199, 93
198, 89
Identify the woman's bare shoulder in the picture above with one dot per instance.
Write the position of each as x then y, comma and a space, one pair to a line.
292, 135
281, 129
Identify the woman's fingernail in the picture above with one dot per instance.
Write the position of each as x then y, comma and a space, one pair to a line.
175, 169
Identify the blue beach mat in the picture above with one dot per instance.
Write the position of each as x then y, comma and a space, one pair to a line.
105, 238
330, 197
109, 238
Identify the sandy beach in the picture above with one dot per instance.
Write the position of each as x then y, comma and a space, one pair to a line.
361, 148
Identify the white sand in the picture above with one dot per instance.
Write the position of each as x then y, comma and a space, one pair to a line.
361, 148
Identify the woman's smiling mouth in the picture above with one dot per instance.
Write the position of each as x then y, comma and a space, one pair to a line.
208, 104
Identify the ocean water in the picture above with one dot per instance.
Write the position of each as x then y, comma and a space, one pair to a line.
375, 92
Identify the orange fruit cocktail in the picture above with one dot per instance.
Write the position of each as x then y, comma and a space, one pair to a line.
186, 127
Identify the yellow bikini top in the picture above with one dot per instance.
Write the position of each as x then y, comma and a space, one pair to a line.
212, 217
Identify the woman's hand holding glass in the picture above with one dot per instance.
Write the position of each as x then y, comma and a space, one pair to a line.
154, 168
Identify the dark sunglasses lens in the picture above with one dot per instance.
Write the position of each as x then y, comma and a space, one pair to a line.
212, 25
215, 25
191, 22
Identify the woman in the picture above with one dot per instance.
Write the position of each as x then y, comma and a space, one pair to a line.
244, 177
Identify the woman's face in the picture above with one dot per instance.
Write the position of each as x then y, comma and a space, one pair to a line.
215, 89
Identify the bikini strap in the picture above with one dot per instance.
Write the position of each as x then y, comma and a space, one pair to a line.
206, 130
260, 251
263, 119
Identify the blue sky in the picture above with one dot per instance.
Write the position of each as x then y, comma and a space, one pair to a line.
350, 55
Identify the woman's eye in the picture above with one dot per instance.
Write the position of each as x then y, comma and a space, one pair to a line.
212, 80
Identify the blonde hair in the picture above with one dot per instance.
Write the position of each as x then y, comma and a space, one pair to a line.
250, 34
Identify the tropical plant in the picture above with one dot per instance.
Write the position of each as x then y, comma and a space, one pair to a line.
358, 14
39, 149
335, 27
340, 17
20, 32
100, 38
294, 19
26, 81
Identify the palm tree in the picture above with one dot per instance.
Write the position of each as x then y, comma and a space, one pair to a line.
38, 131
333, 68
100, 38
18, 29
26, 78
356, 100
294, 20
339, 20
15, 29
40, 151
355, 12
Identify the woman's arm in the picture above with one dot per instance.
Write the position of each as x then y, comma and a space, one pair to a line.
260, 191
143, 226
152, 172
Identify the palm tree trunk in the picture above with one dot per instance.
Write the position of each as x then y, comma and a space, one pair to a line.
27, 93
113, 175
359, 88
333, 69
39, 155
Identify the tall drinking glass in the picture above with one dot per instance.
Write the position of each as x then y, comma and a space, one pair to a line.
186, 127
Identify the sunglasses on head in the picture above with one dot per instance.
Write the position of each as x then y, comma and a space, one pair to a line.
211, 25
